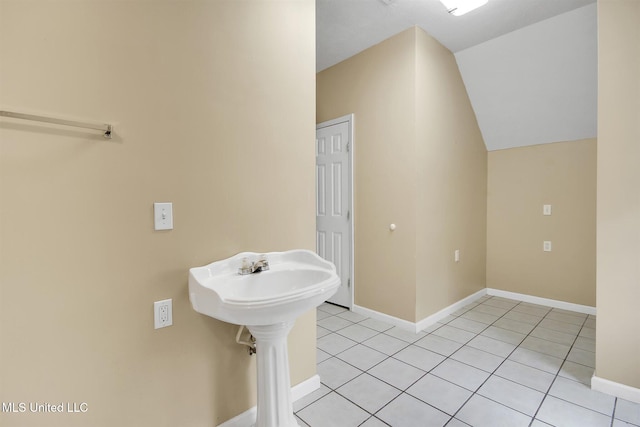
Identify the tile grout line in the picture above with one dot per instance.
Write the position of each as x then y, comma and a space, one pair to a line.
446, 358
387, 357
498, 367
371, 415
449, 357
379, 379
550, 310
558, 373
476, 334
613, 414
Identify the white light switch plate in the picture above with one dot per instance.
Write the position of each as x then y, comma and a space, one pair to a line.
163, 216
546, 209
546, 246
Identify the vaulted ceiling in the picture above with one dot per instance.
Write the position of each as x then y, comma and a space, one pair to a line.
529, 66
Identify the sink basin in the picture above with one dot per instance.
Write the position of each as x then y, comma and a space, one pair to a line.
296, 282
268, 303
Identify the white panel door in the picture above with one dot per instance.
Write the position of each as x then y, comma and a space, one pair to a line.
333, 204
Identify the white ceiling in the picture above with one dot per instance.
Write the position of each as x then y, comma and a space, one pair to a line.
346, 27
515, 104
538, 84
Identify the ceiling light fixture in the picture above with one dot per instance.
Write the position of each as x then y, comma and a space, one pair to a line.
460, 7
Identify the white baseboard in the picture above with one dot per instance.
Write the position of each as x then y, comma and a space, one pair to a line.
395, 321
436, 317
622, 391
585, 309
308, 386
424, 323
248, 417
430, 320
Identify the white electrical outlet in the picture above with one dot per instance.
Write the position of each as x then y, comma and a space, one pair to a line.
546, 209
546, 246
162, 314
456, 255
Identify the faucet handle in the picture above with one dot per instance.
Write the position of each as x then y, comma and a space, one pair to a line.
265, 263
245, 267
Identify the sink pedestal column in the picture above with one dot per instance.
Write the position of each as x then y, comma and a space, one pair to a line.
275, 408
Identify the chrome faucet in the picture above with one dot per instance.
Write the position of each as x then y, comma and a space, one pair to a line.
254, 267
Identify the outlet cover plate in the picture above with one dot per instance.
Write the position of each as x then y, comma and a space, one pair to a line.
162, 314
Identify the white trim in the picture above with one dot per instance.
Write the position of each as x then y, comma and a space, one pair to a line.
424, 323
345, 118
395, 321
349, 119
307, 386
436, 317
248, 417
585, 309
613, 388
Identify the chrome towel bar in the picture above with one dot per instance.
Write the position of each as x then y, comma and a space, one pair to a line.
106, 128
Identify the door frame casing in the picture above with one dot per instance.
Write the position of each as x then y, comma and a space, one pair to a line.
349, 119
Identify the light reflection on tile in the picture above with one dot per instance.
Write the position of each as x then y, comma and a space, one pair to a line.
375, 374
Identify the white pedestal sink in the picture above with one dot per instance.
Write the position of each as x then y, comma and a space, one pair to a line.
268, 303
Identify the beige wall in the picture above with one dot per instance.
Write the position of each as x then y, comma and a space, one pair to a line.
521, 181
451, 194
413, 169
618, 227
377, 85
213, 104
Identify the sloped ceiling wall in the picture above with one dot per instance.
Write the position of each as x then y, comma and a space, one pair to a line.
538, 84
